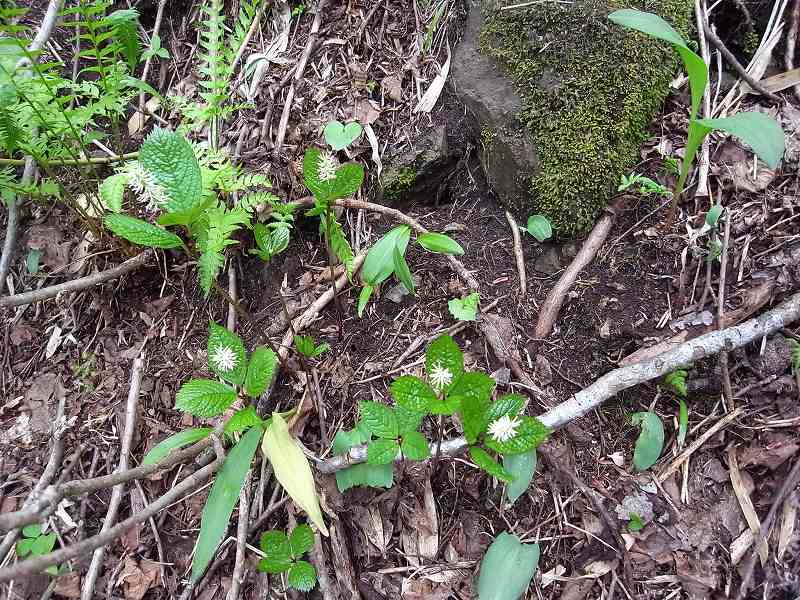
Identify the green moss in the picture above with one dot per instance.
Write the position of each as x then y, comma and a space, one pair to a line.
400, 184
589, 91
487, 137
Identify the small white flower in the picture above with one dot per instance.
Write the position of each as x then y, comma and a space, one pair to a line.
504, 428
327, 167
144, 185
224, 358
441, 377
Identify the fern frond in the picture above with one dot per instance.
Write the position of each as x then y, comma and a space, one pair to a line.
123, 28
208, 266
250, 202
11, 134
248, 9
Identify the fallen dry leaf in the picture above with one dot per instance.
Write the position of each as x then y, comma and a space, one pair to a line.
136, 581
393, 87
420, 537
68, 586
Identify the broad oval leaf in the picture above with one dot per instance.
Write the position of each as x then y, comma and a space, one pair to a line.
260, 371
444, 353
521, 467
650, 442
507, 568
179, 440
757, 130
221, 500
340, 136
379, 419
204, 398
225, 349
539, 227
412, 393
379, 262
440, 244
141, 232
291, 469
169, 157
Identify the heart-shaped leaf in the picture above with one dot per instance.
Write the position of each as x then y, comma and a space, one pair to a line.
340, 136
507, 568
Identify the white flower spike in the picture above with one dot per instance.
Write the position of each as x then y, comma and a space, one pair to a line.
504, 428
327, 167
441, 377
145, 186
224, 358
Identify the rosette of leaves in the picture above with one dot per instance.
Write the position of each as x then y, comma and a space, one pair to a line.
387, 258
283, 554
395, 432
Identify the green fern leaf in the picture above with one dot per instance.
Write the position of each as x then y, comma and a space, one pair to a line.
209, 266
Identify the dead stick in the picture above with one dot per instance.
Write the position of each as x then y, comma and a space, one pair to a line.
81, 283
791, 42
557, 296
523, 278
237, 577
727, 388
189, 484
87, 590
623, 378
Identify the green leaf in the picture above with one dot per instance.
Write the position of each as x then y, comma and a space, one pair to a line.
260, 371
448, 406
444, 353
507, 568
713, 215
24, 546
141, 232
683, 422
382, 451
508, 404
676, 381
204, 398
301, 540
757, 130
379, 419
221, 344
221, 500
43, 544
521, 467
414, 446
361, 474
648, 23
650, 442
349, 178
178, 440
530, 433
485, 461
412, 393
291, 469
440, 244
33, 530
242, 420
170, 159
539, 227
636, 523
402, 271
278, 552
308, 347
112, 191
302, 576
408, 420
475, 391
340, 136
32, 260
464, 309
363, 299
379, 262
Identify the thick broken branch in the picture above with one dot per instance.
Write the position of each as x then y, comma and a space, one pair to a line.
612, 383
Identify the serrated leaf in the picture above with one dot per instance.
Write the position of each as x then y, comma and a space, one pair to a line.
650, 442
179, 440
220, 342
448, 406
412, 393
379, 418
757, 130
347, 182
414, 446
440, 244
382, 451
301, 540
112, 191
529, 434
475, 392
302, 576
507, 568
291, 469
539, 227
508, 404
444, 353
361, 474
209, 265
243, 420
340, 136
379, 262
464, 309
521, 467
204, 398
402, 272
486, 462
260, 371
170, 159
278, 552
221, 500
407, 420
141, 232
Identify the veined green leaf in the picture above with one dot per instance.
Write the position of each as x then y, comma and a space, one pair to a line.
529, 434
222, 498
539, 227
179, 440
301, 540
379, 262
507, 568
141, 232
444, 353
412, 393
485, 461
683, 422
650, 442
757, 130
361, 474
302, 576
648, 23
363, 298
379, 418
204, 398
440, 244
112, 191
170, 159
260, 371
382, 451
275, 544
414, 446
243, 420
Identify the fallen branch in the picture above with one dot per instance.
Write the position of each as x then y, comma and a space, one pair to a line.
81, 283
71, 162
612, 383
791, 43
188, 485
555, 299
87, 590
523, 278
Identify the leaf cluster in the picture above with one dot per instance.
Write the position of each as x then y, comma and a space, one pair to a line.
283, 554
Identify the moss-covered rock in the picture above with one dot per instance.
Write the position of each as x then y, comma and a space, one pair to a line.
569, 100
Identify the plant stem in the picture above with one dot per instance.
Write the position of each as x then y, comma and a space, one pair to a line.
329, 215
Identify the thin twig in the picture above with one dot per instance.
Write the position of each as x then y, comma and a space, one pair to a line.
791, 42
237, 577
81, 283
523, 278
131, 408
189, 484
146, 69
233, 293
727, 388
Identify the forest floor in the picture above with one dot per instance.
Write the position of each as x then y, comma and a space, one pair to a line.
424, 537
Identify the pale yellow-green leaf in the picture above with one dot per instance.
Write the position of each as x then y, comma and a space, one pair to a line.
292, 470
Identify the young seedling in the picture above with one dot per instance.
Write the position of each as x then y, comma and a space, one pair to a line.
676, 381
539, 227
283, 554
464, 309
647, 187
36, 543
757, 130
